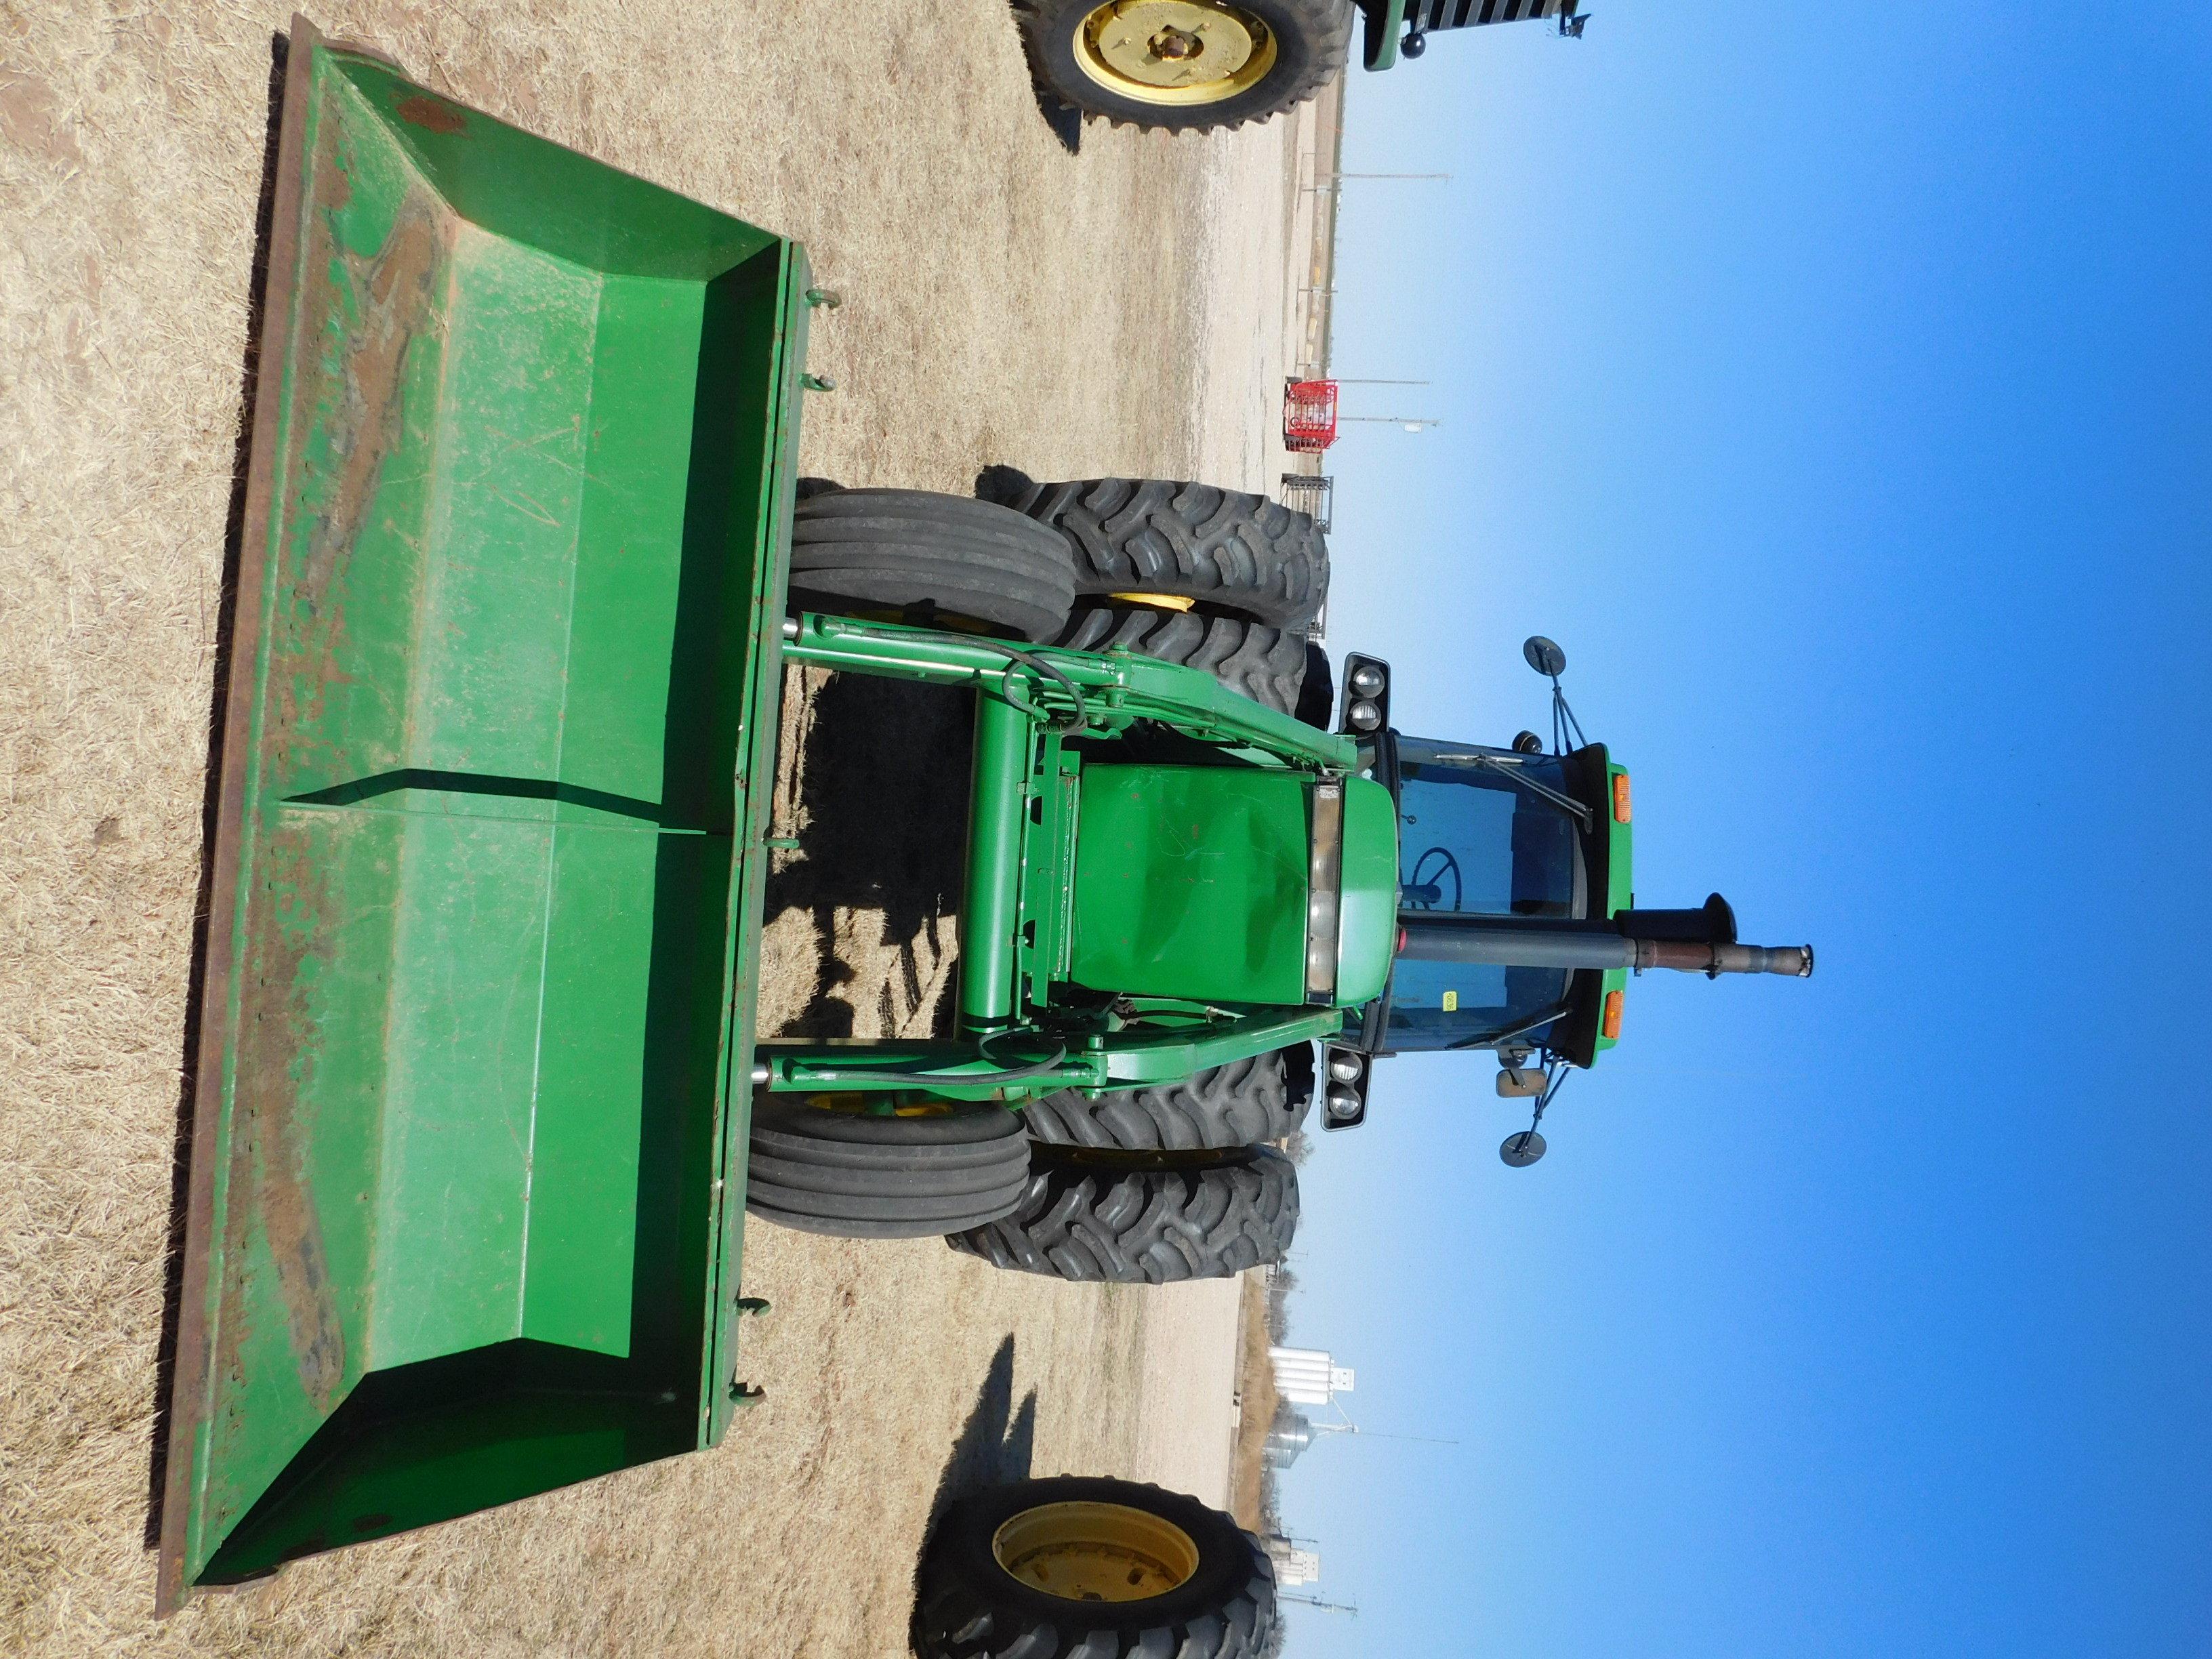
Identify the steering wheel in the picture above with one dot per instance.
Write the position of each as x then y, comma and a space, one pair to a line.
1426, 895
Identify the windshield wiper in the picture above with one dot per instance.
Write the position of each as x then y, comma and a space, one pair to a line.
1512, 770
1556, 1010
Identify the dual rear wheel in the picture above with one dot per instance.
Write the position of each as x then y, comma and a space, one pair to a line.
857, 1166
1222, 580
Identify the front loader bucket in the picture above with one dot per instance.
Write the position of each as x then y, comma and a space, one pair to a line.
467, 1149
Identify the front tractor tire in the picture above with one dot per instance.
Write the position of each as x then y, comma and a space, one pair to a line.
1080, 1567
1186, 65
905, 1173
1094, 1217
913, 556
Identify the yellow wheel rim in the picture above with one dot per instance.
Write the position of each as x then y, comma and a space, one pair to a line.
1096, 1552
856, 1105
1174, 52
945, 621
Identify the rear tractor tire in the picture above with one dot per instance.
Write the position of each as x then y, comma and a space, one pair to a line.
854, 1173
1265, 1097
1079, 1567
1265, 664
1095, 1217
913, 556
1317, 704
1186, 65
1223, 548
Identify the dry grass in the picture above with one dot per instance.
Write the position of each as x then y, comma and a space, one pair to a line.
1256, 1391
1007, 301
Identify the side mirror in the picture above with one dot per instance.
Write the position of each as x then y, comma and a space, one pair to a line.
1520, 1149
1343, 1089
1544, 656
1520, 1083
1366, 701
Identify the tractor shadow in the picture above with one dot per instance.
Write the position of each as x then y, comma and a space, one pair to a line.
882, 781
994, 1448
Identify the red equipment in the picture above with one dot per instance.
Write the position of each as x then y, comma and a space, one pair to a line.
1308, 416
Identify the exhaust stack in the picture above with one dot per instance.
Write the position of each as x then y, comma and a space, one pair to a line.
1703, 941
1792, 961
1699, 941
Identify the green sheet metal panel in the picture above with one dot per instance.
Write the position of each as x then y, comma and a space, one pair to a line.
461, 1225
1367, 910
1190, 881
1049, 869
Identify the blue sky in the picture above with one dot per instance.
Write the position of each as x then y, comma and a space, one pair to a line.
1832, 381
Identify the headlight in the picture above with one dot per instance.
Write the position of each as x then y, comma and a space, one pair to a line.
1364, 716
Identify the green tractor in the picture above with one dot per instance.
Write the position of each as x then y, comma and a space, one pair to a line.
1197, 65
1210, 886
1177, 890
477, 1100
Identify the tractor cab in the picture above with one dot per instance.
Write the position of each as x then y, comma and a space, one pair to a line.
1491, 833
1518, 925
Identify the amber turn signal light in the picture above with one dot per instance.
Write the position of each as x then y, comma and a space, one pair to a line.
1612, 1026
1620, 797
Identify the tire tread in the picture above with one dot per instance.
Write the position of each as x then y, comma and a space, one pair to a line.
913, 551
1095, 1221
1324, 47
1248, 1102
1265, 664
969, 1608
853, 1175
1226, 547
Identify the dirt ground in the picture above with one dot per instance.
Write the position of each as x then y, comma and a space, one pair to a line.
1256, 1403
1108, 307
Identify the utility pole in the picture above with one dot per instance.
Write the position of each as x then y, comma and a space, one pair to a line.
1336, 178
1351, 1607
1411, 423
1346, 1425
1376, 1434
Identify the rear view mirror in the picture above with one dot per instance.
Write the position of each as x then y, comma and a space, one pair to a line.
1520, 1083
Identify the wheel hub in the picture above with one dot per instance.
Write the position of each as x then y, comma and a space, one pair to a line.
1174, 52
1096, 1552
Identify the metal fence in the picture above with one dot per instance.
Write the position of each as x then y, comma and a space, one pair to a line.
1311, 493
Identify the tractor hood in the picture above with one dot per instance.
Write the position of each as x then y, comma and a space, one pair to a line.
1210, 883
1367, 934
